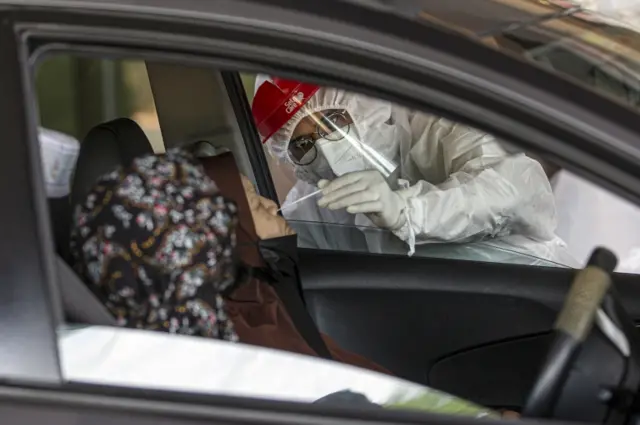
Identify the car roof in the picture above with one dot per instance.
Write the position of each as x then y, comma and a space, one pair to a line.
486, 14
486, 18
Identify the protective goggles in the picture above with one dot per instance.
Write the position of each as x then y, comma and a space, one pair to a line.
331, 125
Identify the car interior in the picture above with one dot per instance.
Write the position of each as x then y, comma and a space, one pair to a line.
477, 330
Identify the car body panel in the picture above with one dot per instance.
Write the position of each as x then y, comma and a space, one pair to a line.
28, 278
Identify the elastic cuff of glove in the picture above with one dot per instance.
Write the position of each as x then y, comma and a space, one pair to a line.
406, 232
403, 232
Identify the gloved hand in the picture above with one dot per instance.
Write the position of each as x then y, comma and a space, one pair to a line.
364, 192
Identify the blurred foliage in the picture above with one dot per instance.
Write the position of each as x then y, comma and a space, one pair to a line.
57, 94
78, 93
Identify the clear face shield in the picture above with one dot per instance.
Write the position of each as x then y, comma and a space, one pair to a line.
331, 139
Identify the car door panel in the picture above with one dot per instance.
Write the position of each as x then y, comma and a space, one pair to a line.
498, 374
78, 403
441, 322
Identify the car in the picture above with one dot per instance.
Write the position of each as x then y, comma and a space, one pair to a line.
559, 87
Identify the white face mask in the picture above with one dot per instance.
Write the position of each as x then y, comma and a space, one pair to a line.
343, 157
351, 154
318, 169
333, 158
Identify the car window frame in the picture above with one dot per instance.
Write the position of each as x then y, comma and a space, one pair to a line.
22, 129
253, 145
32, 312
87, 403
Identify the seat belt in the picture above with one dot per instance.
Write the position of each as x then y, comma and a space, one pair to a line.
284, 279
301, 318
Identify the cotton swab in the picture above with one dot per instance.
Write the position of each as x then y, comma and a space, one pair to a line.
301, 199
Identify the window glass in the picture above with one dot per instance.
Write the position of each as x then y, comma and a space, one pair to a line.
152, 247
282, 176
590, 216
488, 15
75, 94
591, 49
142, 108
598, 56
405, 181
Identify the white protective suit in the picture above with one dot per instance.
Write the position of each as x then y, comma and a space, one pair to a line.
59, 153
459, 185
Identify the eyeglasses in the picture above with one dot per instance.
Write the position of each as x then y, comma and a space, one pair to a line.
330, 125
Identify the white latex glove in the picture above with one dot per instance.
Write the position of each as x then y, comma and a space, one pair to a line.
364, 192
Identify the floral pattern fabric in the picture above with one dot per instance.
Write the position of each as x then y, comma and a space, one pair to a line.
155, 243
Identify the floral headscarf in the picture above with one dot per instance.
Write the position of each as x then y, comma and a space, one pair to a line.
155, 242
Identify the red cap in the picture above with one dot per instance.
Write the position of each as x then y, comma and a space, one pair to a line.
278, 100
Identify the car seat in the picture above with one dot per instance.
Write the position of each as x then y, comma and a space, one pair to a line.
105, 147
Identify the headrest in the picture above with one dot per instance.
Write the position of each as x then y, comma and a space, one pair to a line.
106, 147
223, 170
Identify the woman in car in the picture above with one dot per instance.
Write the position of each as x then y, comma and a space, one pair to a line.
156, 243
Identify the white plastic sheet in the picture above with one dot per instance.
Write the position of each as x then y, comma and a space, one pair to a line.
590, 216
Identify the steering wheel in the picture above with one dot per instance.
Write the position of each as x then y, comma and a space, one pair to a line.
573, 325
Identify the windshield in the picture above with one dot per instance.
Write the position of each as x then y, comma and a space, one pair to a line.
590, 49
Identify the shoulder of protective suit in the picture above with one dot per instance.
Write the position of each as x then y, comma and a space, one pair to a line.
435, 127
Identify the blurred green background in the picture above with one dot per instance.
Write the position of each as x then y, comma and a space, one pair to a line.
77, 93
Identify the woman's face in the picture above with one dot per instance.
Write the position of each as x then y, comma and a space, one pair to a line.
264, 211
